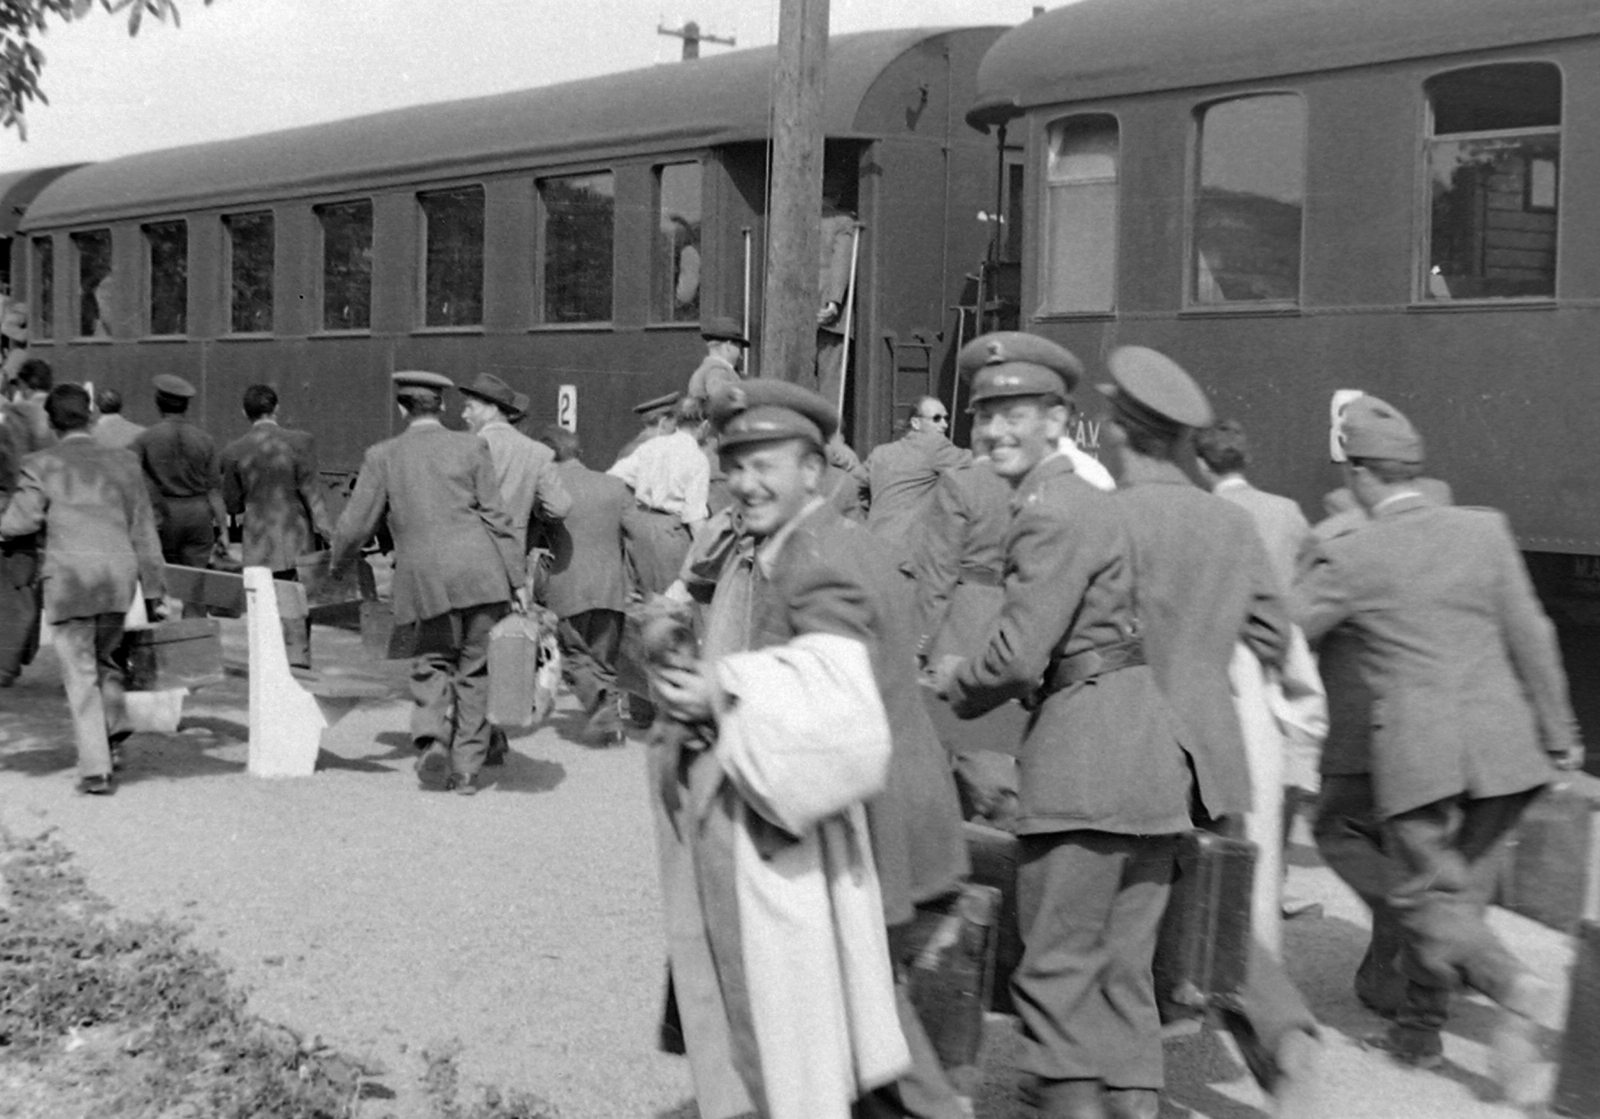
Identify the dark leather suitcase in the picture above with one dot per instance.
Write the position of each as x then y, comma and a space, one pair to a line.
1577, 1091
1204, 943
949, 953
993, 856
513, 668
1547, 871
180, 653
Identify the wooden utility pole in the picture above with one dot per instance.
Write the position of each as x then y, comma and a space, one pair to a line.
692, 38
794, 194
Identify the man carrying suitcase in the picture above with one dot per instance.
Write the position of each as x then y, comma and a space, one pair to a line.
1103, 787
1470, 711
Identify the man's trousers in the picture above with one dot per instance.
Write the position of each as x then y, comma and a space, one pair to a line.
1448, 853
87, 649
1089, 906
1350, 840
450, 684
590, 642
19, 606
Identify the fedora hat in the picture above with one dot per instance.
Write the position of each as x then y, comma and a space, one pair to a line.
486, 386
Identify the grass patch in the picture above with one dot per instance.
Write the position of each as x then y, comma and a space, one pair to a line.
105, 1016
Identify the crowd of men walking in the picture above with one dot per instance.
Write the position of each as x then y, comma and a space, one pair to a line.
805, 606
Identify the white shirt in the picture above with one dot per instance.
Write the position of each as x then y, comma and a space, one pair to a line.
669, 473
1085, 465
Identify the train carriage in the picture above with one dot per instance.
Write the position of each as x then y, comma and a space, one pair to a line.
1298, 196
571, 235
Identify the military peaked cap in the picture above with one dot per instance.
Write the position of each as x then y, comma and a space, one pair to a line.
421, 379
486, 386
1152, 389
765, 409
173, 385
720, 328
658, 404
1012, 363
1370, 428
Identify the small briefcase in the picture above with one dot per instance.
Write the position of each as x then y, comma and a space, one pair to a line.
180, 653
949, 953
522, 652
992, 854
1546, 873
1203, 947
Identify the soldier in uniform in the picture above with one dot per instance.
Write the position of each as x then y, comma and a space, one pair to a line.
183, 472
270, 479
670, 479
724, 360
1204, 584
1463, 667
458, 563
802, 587
1103, 785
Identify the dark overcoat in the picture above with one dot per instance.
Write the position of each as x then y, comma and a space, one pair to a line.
269, 474
1103, 754
454, 545
586, 570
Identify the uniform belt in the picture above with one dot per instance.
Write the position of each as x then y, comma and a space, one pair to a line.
980, 577
1067, 671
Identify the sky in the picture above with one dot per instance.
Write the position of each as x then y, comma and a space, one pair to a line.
244, 66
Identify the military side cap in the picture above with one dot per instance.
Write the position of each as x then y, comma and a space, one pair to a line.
1370, 428
1012, 363
172, 385
656, 405
1152, 388
486, 386
421, 379
720, 328
764, 409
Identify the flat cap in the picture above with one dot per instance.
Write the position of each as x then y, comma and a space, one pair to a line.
1012, 363
421, 379
486, 386
1370, 428
723, 329
658, 404
172, 385
765, 409
1152, 388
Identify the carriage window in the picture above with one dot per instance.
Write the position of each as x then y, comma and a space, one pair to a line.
578, 213
453, 259
44, 265
1080, 265
1494, 159
95, 297
346, 265
675, 265
250, 272
1248, 206
167, 244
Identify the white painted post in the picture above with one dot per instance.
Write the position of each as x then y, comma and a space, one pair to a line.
286, 721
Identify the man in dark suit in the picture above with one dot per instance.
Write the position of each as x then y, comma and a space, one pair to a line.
1204, 584
1103, 788
458, 563
269, 475
586, 586
99, 529
1470, 711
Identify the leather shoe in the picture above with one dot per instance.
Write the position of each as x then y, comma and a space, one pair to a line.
100, 785
1412, 1048
461, 786
433, 767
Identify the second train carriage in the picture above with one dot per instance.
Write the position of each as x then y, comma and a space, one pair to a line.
570, 235
1293, 197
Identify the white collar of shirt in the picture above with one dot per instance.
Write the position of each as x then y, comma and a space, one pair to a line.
495, 423
1394, 497
266, 420
426, 421
1231, 482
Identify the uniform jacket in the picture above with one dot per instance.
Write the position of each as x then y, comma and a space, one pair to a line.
1280, 522
454, 545
832, 576
115, 430
269, 474
1467, 685
901, 476
710, 375
586, 571
179, 460
1102, 755
1202, 582
524, 469
99, 530
960, 545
